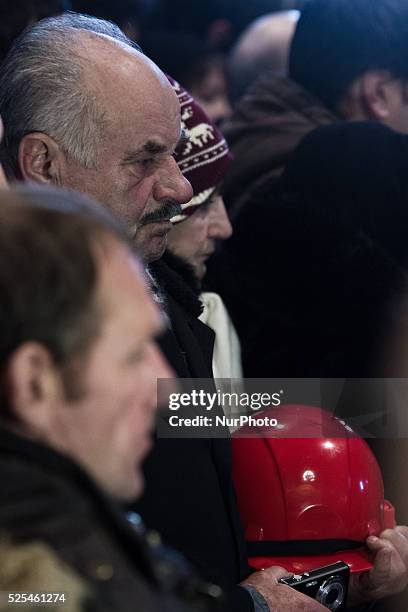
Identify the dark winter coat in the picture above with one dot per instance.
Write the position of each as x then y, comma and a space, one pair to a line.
263, 132
315, 275
189, 496
45, 497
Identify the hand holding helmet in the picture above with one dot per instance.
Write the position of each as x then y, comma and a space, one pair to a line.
310, 494
389, 575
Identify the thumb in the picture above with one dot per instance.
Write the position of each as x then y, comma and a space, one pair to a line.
380, 573
276, 572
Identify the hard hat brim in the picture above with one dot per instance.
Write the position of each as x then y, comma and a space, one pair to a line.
359, 560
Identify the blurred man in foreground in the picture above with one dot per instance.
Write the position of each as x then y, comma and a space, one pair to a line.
79, 366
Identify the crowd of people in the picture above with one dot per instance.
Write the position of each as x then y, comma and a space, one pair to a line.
152, 230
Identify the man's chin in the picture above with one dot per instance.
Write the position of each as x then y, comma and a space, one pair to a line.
153, 250
125, 491
151, 244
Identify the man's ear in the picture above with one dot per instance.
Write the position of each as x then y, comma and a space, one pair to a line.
381, 95
33, 384
40, 159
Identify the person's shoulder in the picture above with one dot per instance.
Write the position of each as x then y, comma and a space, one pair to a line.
40, 488
279, 103
35, 570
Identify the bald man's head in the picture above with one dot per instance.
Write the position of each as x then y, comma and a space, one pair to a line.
263, 47
85, 109
44, 85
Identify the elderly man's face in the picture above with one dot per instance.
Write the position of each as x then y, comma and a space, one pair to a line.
107, 430
136, 175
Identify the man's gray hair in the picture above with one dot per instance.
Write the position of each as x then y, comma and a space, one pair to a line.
43, 89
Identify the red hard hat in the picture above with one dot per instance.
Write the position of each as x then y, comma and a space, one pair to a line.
309, 491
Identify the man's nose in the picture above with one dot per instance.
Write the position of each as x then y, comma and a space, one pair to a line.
171, 184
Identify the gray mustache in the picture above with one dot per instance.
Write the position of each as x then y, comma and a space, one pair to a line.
167, 211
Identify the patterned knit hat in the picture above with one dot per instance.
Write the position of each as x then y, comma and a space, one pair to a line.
205, 158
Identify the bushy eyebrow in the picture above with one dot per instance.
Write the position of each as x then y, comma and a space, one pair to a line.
152, 147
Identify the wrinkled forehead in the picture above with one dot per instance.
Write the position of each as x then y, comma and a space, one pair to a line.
117, 72
135, 99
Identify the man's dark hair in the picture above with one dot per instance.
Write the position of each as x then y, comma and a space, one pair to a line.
43, 88
338, 40
48, 271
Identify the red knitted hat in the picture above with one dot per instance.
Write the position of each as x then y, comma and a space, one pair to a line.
205, 158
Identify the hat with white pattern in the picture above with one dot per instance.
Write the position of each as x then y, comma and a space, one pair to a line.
205, 157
